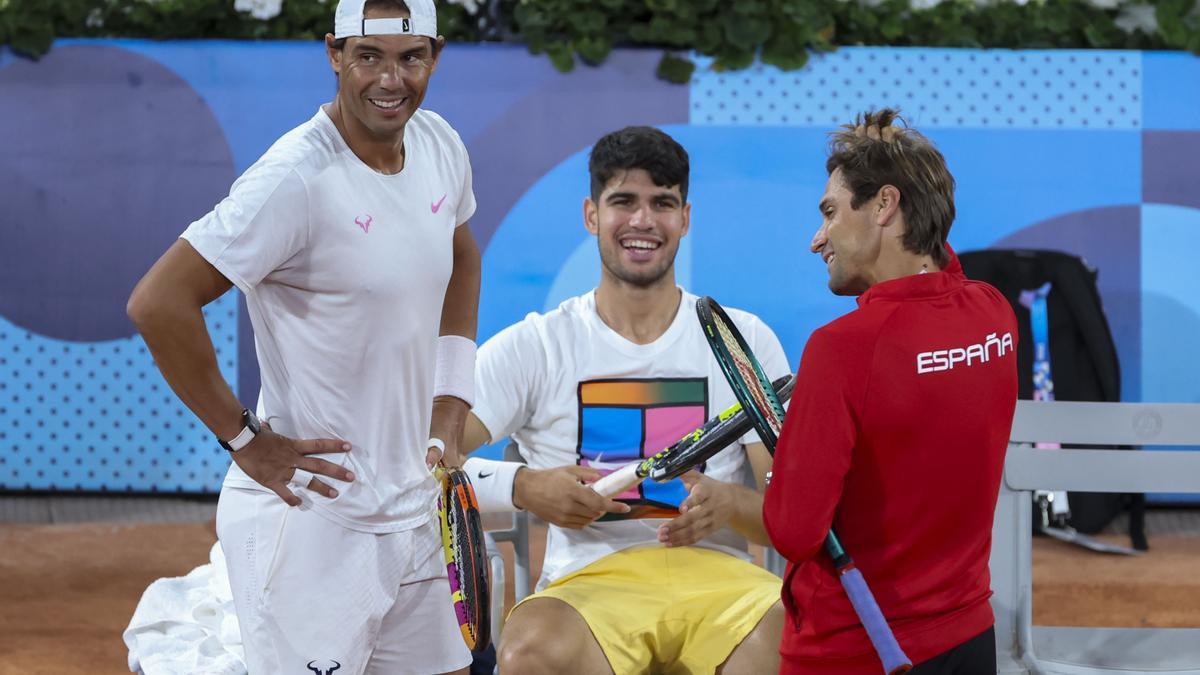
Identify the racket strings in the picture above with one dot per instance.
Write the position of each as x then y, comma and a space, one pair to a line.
464, 562
750, 376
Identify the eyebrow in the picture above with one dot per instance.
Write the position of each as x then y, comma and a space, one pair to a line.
361, 47
668, 196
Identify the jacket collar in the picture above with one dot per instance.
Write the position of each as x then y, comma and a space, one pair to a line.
918, 286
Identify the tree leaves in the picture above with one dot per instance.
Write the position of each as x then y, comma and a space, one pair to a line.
735, 34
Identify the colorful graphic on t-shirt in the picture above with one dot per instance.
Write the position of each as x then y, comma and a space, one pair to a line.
623, 420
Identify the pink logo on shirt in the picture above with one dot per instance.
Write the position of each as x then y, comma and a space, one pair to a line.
365, 225
438, 204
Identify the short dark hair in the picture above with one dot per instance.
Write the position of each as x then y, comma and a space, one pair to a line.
644, 148
873, 152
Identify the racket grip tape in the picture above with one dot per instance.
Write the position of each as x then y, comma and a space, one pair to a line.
880, 634
618, 481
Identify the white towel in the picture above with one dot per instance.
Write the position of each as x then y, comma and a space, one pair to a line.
187, 625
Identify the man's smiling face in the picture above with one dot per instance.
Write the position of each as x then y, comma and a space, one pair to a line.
638, 226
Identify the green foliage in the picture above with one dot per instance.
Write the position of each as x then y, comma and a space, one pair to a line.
733, 33
29, 26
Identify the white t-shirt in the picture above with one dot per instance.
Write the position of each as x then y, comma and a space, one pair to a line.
345, 271
570, 390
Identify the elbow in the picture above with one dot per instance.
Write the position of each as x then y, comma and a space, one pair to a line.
143, 306
137, 308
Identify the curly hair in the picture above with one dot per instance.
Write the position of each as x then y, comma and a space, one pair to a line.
876, 151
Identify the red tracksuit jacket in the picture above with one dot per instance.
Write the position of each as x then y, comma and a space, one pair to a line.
895, 436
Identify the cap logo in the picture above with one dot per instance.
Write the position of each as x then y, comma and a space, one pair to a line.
387, 26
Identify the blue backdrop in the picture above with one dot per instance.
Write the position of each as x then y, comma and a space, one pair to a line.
113, 147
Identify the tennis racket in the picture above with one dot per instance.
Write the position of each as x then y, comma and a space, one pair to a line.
466, 556
691, 451
753, 390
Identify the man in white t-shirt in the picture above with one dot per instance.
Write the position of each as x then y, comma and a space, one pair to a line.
349, 240
662, 582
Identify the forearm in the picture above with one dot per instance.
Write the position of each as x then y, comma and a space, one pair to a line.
179, 341
449, 416
460, 316
747, 518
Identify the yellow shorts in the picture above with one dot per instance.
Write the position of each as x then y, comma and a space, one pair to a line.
668, 610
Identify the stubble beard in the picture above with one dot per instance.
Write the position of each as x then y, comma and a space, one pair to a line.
646, 279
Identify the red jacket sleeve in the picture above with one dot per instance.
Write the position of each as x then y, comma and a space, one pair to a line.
816, 446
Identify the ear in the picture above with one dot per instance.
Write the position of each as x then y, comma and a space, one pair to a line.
334, 54
887, 205
438, 45
591, 216
687, 219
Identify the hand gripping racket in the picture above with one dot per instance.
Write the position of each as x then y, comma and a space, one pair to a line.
752, 389
466, 556
691, 451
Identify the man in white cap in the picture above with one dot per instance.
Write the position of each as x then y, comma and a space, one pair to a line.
349, 240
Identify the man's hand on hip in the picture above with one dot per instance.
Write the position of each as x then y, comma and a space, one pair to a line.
273, 461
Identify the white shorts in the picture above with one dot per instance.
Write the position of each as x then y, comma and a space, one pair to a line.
312, 595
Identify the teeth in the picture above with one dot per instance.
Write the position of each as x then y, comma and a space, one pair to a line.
638, 243
387, 105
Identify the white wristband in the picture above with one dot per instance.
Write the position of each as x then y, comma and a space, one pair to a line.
493, 483
454, 373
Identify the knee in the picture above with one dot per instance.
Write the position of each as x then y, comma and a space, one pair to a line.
531, 655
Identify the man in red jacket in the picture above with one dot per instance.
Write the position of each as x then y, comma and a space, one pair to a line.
896, 434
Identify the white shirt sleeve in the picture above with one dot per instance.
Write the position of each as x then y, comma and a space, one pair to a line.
509, 369
257, 229
466, 200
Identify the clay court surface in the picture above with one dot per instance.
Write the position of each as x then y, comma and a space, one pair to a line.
67, 589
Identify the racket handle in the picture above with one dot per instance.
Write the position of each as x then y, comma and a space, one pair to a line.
618, 481
893, 658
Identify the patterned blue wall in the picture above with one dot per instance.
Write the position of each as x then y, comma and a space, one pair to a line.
1094, 153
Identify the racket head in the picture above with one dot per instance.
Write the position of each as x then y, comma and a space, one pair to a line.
465, 552
742, 370
699, 446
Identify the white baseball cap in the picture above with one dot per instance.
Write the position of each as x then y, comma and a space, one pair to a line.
348, 20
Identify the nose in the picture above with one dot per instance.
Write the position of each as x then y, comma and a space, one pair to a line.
642, 217
391, 76
819, 239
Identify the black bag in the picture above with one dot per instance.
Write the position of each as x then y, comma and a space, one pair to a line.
1083, 357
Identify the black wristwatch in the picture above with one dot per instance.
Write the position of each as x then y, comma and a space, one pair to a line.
250, 427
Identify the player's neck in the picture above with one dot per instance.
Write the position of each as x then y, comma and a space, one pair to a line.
638, 314
904, 264
385, 155
894, 261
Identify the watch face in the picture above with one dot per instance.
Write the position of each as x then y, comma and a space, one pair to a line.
251, 421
